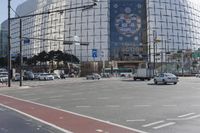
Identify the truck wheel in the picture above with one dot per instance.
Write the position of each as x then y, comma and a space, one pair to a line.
134, 79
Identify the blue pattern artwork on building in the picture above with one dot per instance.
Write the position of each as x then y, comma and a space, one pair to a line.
128, 30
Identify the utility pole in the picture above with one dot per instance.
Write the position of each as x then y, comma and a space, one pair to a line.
9, 47
21, 56
154, 51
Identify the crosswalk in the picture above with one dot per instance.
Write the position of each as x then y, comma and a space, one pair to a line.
171, 121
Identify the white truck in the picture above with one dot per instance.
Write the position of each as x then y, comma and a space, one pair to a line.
143, 74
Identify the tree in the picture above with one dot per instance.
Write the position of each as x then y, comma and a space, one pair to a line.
42, 57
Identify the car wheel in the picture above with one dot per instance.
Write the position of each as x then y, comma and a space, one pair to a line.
164, 82
175, 83
155, 82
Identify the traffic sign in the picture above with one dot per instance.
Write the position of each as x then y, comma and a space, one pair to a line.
94, 53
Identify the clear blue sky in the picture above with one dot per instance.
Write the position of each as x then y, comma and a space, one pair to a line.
4, 8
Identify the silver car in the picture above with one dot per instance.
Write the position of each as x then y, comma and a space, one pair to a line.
165, 78
93, 76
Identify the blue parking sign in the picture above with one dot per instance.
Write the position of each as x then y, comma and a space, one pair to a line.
94, 53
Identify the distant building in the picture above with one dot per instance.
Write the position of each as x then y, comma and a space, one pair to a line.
3, 39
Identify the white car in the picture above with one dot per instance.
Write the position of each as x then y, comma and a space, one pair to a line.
46, 76
3, 79
166, 78
17, 77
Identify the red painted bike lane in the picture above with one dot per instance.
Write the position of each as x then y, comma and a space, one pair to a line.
66, 120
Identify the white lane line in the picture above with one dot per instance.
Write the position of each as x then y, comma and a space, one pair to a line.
29, 94
142, 105
34, 99
185, 115
169, 105
83, 106
137, 120
165, 125
99, 130
113, 106
103, 98
151, 124
193, 117
59, 96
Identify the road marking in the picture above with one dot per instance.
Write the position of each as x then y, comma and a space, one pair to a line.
193, 117
83, 106
142, 105
103, 98
54, 97
29, 94
151, 124
169, 105
99, 130
113, 106
164, 125
34, 99
137, 120
181, 116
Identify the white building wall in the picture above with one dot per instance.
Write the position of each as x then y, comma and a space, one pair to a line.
90, 25
176, 23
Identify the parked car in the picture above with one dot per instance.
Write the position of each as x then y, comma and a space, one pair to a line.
197, 75
28, 75
46, 76
93, 76
17, 77
3, 79
36, 75
166, 78
63, 76
56, 76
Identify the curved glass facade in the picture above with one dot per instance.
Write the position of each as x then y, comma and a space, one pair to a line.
119, 30
175, 23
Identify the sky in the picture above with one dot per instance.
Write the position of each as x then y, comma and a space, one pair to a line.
4, 8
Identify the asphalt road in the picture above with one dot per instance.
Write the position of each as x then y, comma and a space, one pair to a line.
12, 122
135, 104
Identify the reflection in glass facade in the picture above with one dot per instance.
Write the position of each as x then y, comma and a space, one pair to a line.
175, 23
92, 26
128, 30
120, 30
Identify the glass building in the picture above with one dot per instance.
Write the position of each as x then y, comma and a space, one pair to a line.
119, 30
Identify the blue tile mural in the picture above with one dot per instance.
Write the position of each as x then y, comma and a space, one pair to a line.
128, 30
